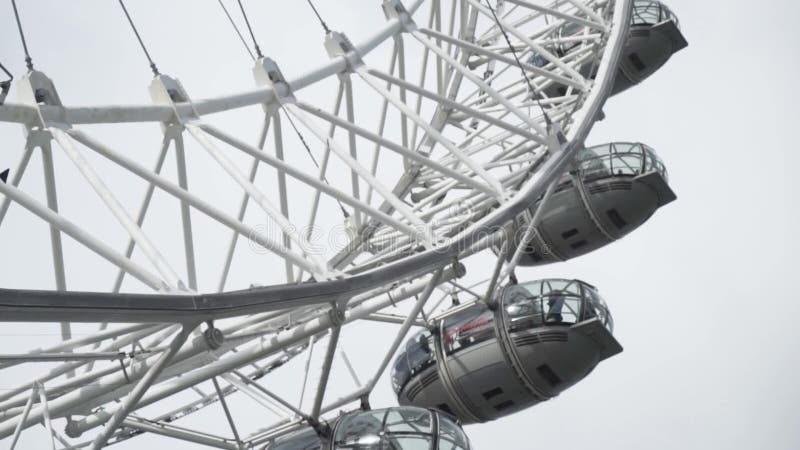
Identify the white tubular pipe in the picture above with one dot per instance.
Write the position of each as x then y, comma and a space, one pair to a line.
468, 74
147, 247
421, 231
174, 432
148, 196
25, 412
446, 102
253, 352
432, 132
10, 398
491, 55
243, 208
186, 218
15, 180
261, 199
530, 43
401, 334
308, 179
196, 202
405, 152
80, 235
129, 404
529, 232
561, 15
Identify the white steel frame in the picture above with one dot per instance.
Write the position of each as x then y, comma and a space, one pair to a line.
406, 239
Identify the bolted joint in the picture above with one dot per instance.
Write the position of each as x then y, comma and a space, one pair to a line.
365, 406
214, 337
5, 86
338, 45
394, 9
267, 73
165, 90
336, 315
459, 270
322, 429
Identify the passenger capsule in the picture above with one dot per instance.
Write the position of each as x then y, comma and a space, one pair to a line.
653, 38
399, 428
481, 364
615, 189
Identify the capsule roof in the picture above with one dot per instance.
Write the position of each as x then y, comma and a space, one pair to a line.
651, 12
398, 428
619, 159
553, 301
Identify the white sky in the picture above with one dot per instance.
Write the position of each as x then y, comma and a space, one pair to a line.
702, 295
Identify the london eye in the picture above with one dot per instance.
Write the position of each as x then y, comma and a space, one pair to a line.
186, 273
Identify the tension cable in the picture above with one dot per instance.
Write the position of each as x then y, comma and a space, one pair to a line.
324, 25
250, 29
314, 160
139, 38
235, 27
28, 60
519, 64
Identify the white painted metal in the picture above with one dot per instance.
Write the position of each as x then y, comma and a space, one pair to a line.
485, 151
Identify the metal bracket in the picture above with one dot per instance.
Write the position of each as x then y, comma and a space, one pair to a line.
337, 44
394, 9
214, 336
267, 73
5, 86
336, 315
365, 406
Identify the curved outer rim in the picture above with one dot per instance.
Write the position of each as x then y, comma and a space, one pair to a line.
49, 306
81, 115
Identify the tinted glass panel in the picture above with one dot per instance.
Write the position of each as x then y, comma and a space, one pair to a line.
618, 159
538, 303
388, 429
467, 327
402, 428
418, 355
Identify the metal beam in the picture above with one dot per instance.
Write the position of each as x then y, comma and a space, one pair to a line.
326, 370
175, 432
129, 404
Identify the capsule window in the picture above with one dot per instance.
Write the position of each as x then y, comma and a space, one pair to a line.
467, 328
547, 373
637, 62
492, 393
579, 244
616, 219
569, 233
504, 405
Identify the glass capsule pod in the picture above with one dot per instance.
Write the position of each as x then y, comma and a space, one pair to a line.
398, 428
654, 36
614, 189
482, 363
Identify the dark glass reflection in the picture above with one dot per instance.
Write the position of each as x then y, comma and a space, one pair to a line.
619, 159
547, 302
404, 428
650, 12
417, 356
467, 327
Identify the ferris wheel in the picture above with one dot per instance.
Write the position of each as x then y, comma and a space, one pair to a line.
360, 203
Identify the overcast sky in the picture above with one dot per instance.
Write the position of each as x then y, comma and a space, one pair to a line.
703, 295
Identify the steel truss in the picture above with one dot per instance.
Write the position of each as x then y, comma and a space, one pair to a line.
473, 144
